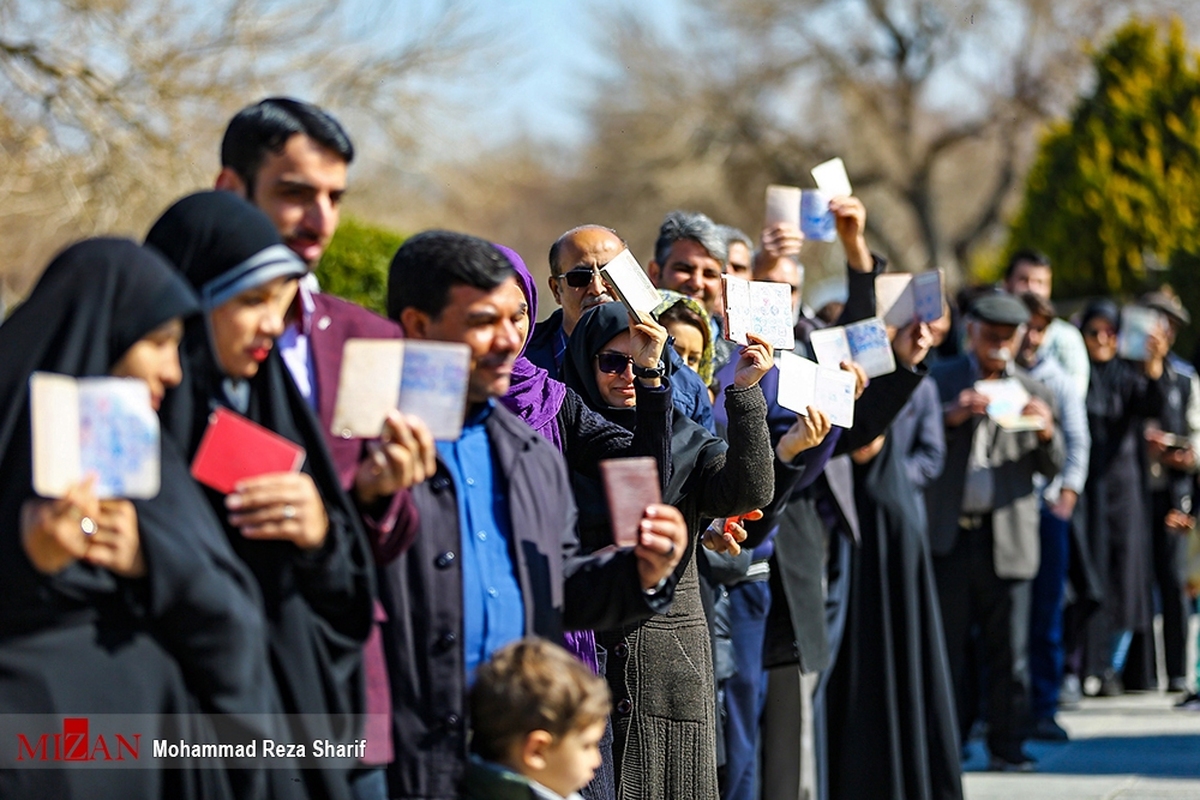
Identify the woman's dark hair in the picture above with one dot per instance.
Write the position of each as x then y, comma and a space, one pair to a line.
681, 313
429, 264
266, 127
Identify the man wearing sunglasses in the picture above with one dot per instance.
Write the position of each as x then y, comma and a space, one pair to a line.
575, 261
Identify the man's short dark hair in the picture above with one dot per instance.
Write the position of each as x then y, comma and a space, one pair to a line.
429, 264
556, 248
1038, 306
266, 127
1035, 257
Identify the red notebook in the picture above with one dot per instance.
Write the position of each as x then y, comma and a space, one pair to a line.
234, 448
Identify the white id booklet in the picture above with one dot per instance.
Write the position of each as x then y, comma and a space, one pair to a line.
104, 427
902, 297
1007, 398
864, 342
422, 378
633, 287
804, 383
763, 308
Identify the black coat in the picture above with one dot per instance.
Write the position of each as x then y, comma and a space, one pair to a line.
422, 592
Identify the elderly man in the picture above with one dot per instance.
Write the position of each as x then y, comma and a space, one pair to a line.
575, 261
983, 520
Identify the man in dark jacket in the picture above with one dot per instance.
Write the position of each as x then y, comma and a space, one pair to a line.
983, 517
495, 557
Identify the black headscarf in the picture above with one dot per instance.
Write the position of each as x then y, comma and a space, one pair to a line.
95, 300
318, 604
691, 444
83, 640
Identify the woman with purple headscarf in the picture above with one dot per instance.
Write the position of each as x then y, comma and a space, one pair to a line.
584, 438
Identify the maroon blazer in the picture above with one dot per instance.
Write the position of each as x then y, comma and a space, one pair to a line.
333, 322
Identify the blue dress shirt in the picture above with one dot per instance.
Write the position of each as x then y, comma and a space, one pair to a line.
493, 611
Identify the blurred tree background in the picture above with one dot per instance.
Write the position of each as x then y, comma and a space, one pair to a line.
109, 109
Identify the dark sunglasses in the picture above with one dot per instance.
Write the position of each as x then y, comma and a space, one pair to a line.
613, 363
579, 277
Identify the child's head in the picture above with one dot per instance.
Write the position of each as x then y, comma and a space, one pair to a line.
539, 711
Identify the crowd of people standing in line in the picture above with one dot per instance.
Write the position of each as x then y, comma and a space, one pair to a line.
805, 598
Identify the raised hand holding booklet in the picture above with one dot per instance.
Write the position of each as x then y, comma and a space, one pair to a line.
631, 485
104, 427
422, 378
632, 286
762, 308
804, 383
864, 343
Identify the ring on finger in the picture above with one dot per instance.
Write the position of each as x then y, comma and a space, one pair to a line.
671, 552
289, 511
87, 525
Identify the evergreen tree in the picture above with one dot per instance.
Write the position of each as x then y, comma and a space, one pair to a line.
1117, 186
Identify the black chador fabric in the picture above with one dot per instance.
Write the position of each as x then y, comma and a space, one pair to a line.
893, 733
187, 636
318, 604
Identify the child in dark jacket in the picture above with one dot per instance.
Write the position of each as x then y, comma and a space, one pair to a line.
537, 715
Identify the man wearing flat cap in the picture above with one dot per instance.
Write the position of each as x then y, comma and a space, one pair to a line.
983, 516
1172, 446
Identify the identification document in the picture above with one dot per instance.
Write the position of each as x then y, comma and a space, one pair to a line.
832, 179
632, 286
1137, 323
816, 220
864, 342
422, 378
762, 308
234, 448
783, 205
1007, 398
631, 485
902, 297
104, 427
804, 383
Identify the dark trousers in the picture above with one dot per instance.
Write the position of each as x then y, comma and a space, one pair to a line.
746, 691
837, 604
1046, 617
1170, 575
971, 594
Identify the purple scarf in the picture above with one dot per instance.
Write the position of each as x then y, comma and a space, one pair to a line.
533, 395
536, 398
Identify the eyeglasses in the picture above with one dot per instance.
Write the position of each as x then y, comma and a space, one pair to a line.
612, 363
579, 277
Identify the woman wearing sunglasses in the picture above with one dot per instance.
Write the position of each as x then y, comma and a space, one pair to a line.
665, 719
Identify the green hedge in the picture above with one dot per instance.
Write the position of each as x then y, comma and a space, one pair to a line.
355, 265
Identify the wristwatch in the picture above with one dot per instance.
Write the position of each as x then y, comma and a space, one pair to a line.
650, 373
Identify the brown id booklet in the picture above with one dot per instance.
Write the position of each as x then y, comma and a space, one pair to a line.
631, 484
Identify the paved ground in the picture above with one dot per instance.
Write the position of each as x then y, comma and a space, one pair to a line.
1135, 746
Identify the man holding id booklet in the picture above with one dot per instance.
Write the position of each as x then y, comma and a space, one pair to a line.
495, 558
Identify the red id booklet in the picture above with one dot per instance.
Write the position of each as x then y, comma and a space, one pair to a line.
631, 485
234, 448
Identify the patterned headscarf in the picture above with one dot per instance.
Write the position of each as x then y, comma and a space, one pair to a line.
669, 300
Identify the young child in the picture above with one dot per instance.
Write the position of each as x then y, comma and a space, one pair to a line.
537, 715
